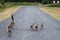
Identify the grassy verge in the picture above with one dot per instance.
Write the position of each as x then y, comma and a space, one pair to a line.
8, 5
25, 3
54, 5
8, 11
11, 4
53, 11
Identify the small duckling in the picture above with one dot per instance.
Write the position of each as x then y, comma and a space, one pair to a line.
36, 28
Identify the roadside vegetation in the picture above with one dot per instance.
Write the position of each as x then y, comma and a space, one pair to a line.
7, 5
54, 5
9, 9
52, 9
12, 4
26, 3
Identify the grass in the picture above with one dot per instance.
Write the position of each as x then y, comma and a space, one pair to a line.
1, 9
8, 11
26, 3
54, 5
11, 4
8, 5
53, 11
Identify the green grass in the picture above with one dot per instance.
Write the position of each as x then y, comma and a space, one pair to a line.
54, 5
23, 3
11, 4
1, 8
7, 6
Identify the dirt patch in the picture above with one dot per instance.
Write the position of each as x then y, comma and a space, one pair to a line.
8, 12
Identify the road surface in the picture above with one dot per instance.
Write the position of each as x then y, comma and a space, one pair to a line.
26, 16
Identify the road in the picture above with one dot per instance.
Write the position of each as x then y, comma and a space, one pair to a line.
26, 16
